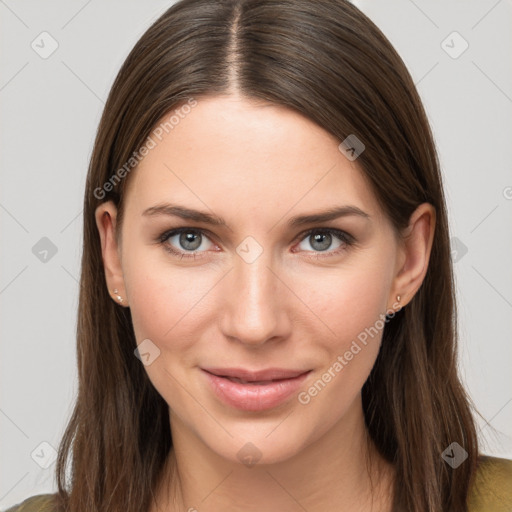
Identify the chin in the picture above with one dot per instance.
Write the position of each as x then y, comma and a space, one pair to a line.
258, 448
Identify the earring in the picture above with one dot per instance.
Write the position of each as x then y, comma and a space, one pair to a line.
118, 297
398, 298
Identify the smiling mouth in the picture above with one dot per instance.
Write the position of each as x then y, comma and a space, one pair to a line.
252, 392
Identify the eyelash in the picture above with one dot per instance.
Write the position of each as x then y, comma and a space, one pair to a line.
345, 238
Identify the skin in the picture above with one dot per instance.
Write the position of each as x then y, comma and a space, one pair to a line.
258, 165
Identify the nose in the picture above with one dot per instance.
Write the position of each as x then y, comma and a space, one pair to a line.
255, 307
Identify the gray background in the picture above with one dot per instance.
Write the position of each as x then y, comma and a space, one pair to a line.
50, 109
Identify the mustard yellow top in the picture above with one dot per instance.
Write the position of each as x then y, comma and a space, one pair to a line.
492, 491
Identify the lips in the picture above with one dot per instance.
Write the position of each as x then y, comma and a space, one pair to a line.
254, 390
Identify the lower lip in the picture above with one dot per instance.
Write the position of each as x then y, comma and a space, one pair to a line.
254, 397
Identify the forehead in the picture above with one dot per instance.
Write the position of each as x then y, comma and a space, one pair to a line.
245, 156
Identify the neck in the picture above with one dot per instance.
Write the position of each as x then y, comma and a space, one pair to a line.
334, 472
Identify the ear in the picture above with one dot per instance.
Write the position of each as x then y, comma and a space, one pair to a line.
106, 220
414, 254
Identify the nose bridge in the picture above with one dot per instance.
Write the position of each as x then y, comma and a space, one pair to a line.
254, 312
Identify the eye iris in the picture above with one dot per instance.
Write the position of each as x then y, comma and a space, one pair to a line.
325, 240
190, 238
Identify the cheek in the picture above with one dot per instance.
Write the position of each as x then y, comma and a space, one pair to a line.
346, 300
349, 305
165, 300
166, 308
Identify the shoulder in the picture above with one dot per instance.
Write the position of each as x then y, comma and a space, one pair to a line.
491, 490
39, 503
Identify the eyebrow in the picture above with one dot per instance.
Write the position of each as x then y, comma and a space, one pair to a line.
207, 218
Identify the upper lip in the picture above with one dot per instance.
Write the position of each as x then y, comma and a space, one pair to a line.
257, 375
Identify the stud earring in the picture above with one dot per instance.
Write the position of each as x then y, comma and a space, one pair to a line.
118, 297
398, 298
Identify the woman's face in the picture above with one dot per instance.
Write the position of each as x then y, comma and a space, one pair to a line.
264, 289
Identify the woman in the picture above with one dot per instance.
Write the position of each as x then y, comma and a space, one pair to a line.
267, 315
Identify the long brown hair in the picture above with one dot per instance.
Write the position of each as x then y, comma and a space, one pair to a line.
326, 60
